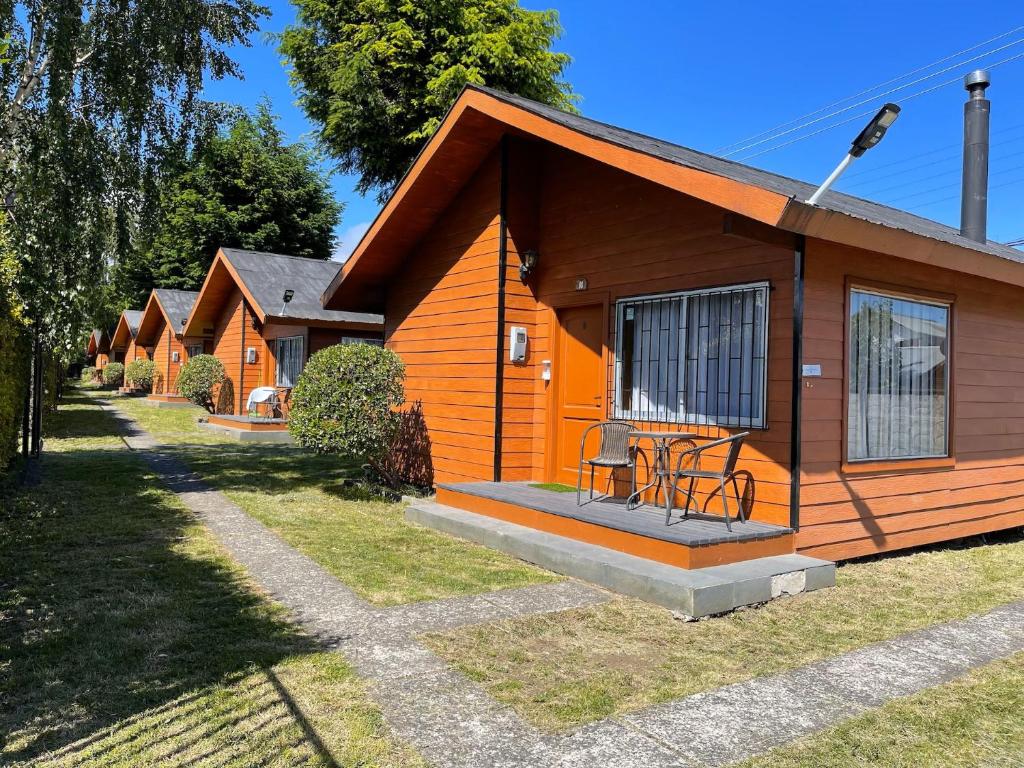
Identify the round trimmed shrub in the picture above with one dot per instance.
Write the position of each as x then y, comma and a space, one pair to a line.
89, 374
346, 402
199, 379
113, 374
139, 373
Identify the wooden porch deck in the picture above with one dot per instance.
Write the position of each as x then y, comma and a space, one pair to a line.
248, 423
695, 542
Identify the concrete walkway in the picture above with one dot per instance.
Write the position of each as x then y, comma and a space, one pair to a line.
453, 722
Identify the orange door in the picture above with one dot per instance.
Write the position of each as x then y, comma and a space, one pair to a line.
580, 385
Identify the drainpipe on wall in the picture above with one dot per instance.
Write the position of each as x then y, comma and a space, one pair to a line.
499, 365
799, 254
241, 364
167, 381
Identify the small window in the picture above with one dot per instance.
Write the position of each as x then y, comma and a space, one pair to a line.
898, 378
693, 358
194, 350
289, 360
360, 340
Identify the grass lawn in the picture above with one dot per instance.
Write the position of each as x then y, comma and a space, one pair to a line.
366, 543
128, 637
968, 723
564, 669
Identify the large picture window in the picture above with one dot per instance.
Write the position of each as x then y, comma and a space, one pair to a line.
693, 358
289, 360
898, 377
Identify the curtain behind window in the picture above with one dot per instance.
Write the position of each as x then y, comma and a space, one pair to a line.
289, 361
898, 378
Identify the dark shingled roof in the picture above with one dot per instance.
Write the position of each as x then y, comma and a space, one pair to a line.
177, 305
133, 317
745, 174
268, 275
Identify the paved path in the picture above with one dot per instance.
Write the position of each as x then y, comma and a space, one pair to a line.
453, 722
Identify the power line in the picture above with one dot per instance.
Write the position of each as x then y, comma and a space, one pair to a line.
874, 98
871, 89
929, 203
949, 186
869, 112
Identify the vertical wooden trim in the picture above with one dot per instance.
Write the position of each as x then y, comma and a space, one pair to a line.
241, 362
499, 362
167, 382
799, 259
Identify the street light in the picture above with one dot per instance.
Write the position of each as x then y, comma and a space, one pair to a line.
287, 298
866, 139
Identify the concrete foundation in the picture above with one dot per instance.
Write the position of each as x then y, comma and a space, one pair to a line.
694, 593
280, 437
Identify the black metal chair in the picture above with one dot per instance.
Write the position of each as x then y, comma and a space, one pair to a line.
693, 472
614, 452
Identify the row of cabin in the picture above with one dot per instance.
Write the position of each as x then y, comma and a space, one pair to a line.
540, 272
258, 313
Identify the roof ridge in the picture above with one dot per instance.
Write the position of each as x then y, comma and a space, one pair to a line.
312, 259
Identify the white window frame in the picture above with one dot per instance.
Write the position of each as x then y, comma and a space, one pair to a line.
361, 340
908, 296
636, 414
190, 347
277, 358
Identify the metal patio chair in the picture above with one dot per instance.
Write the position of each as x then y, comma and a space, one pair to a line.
693, 472
614, 452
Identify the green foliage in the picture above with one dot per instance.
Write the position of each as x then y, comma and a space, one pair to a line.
346, 401
244, 188
88, 374
15, 351
113, 374
140, 373
377, 76
93, 96
199, 379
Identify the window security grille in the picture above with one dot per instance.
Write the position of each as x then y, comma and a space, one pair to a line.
697, 357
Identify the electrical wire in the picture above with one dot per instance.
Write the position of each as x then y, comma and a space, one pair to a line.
957, 170
930, 203
867, 91
874, 98
870, 112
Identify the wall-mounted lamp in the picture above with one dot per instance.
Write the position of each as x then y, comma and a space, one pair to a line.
528, 259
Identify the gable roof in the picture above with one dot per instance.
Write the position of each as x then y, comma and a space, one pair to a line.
99, 342
263, 278
170, 305
127, 328
480, 116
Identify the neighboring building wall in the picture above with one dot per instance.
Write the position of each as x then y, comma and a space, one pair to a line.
441, 318
230, 331
165, 376
850, 513
630, 237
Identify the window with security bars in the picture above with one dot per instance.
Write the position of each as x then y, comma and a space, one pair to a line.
697, 357
289, 360
898, 378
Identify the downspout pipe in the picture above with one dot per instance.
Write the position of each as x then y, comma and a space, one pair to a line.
974, 197
795, 437
499, 363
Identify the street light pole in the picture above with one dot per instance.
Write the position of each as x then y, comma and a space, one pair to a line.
866, 139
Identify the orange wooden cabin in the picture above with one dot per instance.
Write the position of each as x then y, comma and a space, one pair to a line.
872, 354
242, 317
97, 350
122, 344
161, 335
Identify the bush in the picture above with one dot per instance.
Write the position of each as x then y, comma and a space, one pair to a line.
89, 374
346, 402
113, 374
139, 373
199, 379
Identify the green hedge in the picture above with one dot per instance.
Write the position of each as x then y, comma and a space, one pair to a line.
113, 375
15, 353
140, 373
199, 380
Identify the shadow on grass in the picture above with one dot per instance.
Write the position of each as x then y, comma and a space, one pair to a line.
113, 608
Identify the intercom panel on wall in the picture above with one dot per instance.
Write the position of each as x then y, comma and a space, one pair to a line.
517, 344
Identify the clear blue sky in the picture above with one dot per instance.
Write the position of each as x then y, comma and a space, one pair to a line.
707, 75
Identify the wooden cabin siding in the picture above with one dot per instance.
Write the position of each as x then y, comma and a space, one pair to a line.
630, 237
233, 333
165, 376
441, 319
851, 513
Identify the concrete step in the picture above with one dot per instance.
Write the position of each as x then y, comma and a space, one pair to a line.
695, 593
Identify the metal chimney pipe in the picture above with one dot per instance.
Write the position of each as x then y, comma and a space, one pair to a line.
974, 198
